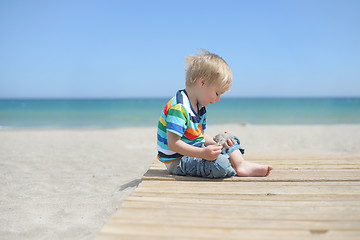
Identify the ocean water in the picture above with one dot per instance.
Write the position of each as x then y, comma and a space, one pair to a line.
109, 113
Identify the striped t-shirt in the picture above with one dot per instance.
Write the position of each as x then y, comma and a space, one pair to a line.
180, 118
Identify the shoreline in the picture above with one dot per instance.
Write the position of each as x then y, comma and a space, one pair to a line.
65, 183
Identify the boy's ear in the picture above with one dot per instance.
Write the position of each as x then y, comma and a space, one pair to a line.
201, 81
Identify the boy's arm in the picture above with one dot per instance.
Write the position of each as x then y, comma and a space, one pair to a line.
175, 143
208, 139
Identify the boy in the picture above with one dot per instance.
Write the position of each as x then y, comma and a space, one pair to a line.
181, 140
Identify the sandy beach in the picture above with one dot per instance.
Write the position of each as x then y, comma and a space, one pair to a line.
66, 183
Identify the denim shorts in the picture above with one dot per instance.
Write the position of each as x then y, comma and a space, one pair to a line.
198, 167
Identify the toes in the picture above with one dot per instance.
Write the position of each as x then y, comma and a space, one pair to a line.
268, 171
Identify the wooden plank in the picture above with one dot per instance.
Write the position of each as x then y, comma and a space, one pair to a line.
329, 197
316, 167
275, 176
214, 202
261, 213
240, 223
208, 183
248, 189
147, 231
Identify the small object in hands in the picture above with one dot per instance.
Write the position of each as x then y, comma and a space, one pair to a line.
222, 138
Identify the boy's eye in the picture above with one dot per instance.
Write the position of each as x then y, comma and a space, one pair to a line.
217, 94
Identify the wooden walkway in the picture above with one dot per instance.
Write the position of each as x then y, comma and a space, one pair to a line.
305, 197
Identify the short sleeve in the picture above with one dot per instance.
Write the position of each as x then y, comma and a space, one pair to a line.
176, 121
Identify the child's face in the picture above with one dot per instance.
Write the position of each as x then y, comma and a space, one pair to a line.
209, 94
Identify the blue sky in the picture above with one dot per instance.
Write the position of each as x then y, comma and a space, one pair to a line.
95, 49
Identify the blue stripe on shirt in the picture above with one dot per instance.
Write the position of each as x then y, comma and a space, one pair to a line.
177, 128
160, 139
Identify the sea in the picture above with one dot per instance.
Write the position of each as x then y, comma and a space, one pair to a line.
139, 112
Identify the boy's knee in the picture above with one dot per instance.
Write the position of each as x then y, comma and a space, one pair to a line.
234, 147
221, 168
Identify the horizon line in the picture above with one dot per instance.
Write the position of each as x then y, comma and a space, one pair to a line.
149, 97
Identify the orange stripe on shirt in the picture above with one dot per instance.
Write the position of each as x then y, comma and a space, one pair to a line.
167, 106
191, 133
168, 161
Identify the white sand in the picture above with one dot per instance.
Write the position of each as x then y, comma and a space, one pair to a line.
65, 184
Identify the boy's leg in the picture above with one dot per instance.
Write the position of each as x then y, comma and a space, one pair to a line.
244, 168
220, 168
229, 163
197, 167
248, 169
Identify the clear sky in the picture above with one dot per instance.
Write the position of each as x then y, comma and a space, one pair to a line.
105, 48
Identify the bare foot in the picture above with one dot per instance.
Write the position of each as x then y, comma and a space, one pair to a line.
249, 169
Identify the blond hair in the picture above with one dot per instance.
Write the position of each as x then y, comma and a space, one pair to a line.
210, 66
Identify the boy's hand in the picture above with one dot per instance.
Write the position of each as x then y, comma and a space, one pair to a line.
229, 143
211, 152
